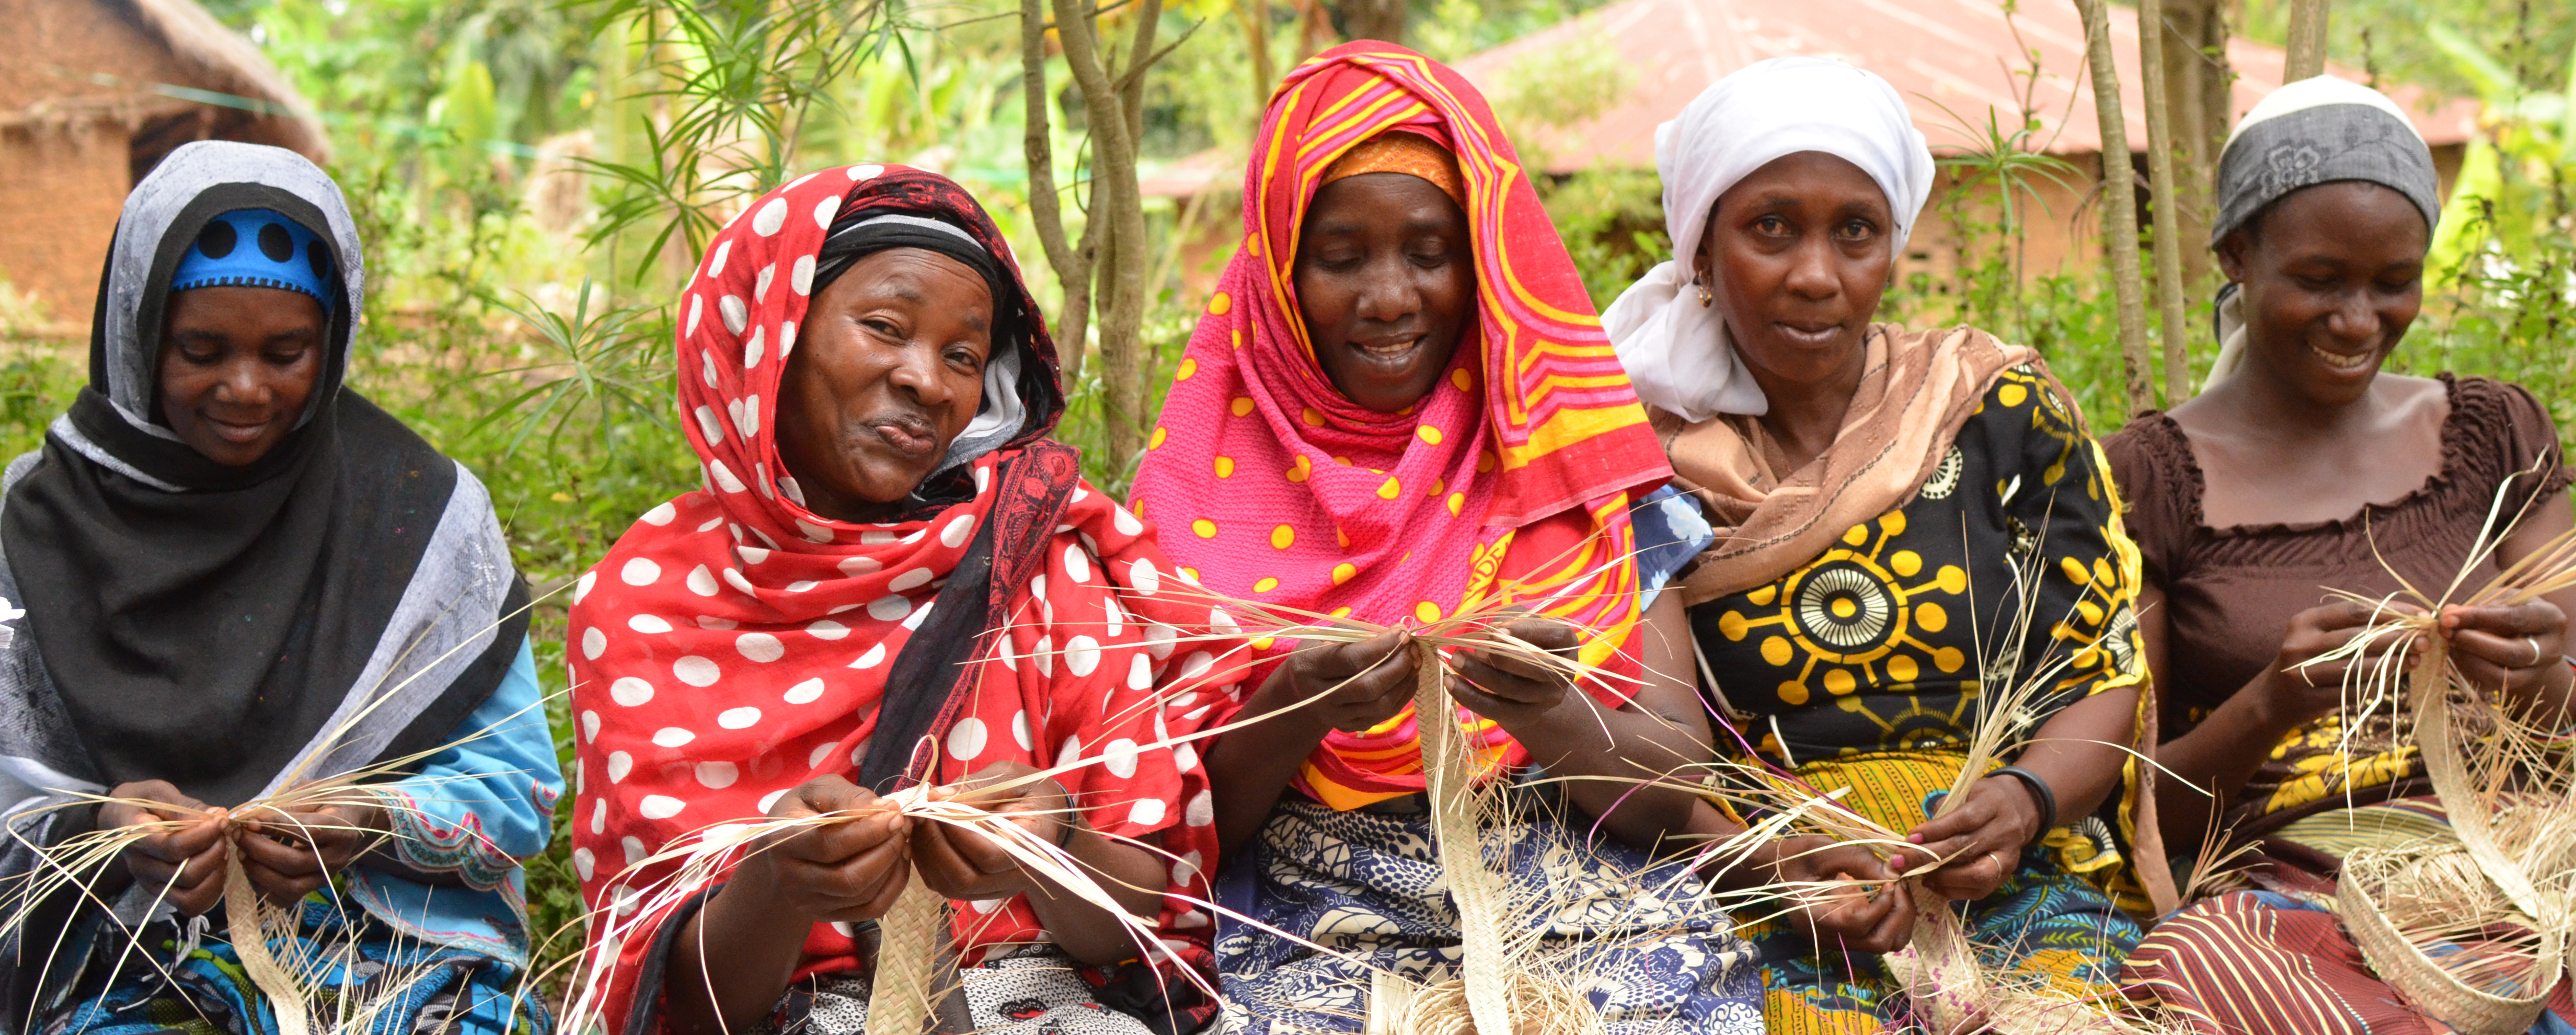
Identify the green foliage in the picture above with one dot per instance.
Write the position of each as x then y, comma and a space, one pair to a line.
735, 81
1564, 86
613, 367
1452, 29
2387, 38
1613, 225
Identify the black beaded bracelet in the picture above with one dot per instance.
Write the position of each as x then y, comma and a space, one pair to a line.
2039, 792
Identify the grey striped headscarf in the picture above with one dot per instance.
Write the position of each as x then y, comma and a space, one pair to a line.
2319, 130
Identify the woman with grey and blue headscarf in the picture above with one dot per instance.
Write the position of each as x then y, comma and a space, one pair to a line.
238, 577
2300, 468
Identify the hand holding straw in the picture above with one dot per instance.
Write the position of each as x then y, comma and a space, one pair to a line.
967, 863
1842, 891
2516, 648
848, 856
286, 850
835, 853
1974, 847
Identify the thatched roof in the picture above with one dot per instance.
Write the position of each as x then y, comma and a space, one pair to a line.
230, 64
131, 61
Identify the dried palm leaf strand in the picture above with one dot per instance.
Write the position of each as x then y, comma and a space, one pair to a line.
2467, 809
1449, 775
244, 916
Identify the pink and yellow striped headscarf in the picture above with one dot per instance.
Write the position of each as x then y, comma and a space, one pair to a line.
1514, 475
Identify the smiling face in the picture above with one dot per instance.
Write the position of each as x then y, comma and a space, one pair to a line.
1386, 279
237, 366
888, 370
1800, 251
2333, 275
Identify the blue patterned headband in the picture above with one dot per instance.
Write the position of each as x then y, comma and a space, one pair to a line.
255, 247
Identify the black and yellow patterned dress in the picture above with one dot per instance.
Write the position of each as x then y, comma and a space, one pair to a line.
1864, 668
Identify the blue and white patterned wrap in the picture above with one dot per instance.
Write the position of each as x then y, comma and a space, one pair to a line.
484, 806
1670, 531
1653, 956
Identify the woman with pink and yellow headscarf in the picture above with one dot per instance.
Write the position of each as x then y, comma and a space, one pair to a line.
1399, 405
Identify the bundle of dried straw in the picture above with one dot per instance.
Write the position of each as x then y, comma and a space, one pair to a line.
292, 983
304, 976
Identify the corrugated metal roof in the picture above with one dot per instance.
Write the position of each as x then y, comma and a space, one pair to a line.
1958, 54
1954, 53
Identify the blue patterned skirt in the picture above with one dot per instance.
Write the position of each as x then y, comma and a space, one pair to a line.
376, 981
1366, 884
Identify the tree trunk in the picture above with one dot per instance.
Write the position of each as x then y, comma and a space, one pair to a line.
2307, 58
2166, 197
1314, 29
2198, 87
2119, 207
1072, 265
1117, 199
1374, 19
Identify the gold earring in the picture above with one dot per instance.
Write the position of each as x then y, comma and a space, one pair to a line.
1706, 297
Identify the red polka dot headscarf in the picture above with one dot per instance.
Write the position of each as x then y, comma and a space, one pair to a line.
735, 644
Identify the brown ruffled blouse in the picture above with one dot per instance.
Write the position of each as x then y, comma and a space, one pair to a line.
2230, 592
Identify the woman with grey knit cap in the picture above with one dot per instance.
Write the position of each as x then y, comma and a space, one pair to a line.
2301, 467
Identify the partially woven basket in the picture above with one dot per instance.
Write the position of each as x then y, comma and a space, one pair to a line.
2483, 856
2426, 984
1482, 986
912, 969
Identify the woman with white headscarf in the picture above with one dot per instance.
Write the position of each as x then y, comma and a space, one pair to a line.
2303, 467
1886, 504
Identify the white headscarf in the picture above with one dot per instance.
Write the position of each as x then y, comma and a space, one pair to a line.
1676, 350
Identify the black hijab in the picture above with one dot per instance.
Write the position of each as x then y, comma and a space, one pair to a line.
225, 628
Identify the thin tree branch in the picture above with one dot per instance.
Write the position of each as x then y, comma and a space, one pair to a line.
1129, 79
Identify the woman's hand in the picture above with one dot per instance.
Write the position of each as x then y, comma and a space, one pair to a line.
1868, 913
844, 872
962, 864
2297, 691
733, 959
1512, 689
289, 853
2520, 650
1360, 684
189, 861
1982, 839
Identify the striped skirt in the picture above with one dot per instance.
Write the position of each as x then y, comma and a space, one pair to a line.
2276, 961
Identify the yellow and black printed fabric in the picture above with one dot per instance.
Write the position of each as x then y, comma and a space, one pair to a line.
2008, 563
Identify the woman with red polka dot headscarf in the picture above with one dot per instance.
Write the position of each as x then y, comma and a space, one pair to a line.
890, 575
